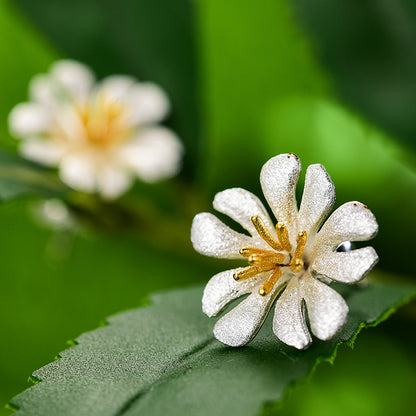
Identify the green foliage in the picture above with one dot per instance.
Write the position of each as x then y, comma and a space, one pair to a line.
370, 55
263, 55
163, 359
23, 54
55, 285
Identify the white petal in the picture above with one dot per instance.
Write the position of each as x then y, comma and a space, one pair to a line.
75, 78
289, 321
43, 90
278, 179
78, 171
68, 125
113, 181
156, 154
222, 289
346, 267
147, 102
116, 87
317, 200
213, 238
48, 152
327, 310
241, 205
241, 324
352, 221
28, 119
63, 115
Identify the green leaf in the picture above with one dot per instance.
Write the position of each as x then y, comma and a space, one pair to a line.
163, 359
55, 285
20, 177
360, 381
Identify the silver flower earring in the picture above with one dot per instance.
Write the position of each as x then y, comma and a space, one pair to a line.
292, 262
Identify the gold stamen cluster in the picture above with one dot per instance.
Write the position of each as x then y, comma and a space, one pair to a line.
103, 121
262, 260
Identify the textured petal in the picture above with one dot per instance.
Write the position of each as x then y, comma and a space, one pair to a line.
352, 221
116, 87
222, 289
327, 310
28, 119
46, 152
156, 154
112, 181
346, 267
241, 205
148, 103
241, 324
213, 238
78, 171
75, 78
278, 179
317, 200
289, 321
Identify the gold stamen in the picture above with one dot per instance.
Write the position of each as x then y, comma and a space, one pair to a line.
252, 271
297, 263
283, 236
248, 251
264, 233
246, 273
268, 285
266, 257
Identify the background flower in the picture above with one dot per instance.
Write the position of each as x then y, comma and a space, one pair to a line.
100, 135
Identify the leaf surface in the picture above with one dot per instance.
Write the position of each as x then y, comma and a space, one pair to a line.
163, 359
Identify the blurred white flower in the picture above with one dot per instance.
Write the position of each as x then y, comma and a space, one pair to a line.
100, 134
290, 262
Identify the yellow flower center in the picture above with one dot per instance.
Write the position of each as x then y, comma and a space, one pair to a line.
281, 255
104, 121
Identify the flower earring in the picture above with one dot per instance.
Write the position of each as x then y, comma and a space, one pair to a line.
290, 263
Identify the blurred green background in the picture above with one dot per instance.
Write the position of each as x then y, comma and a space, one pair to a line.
332, 81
